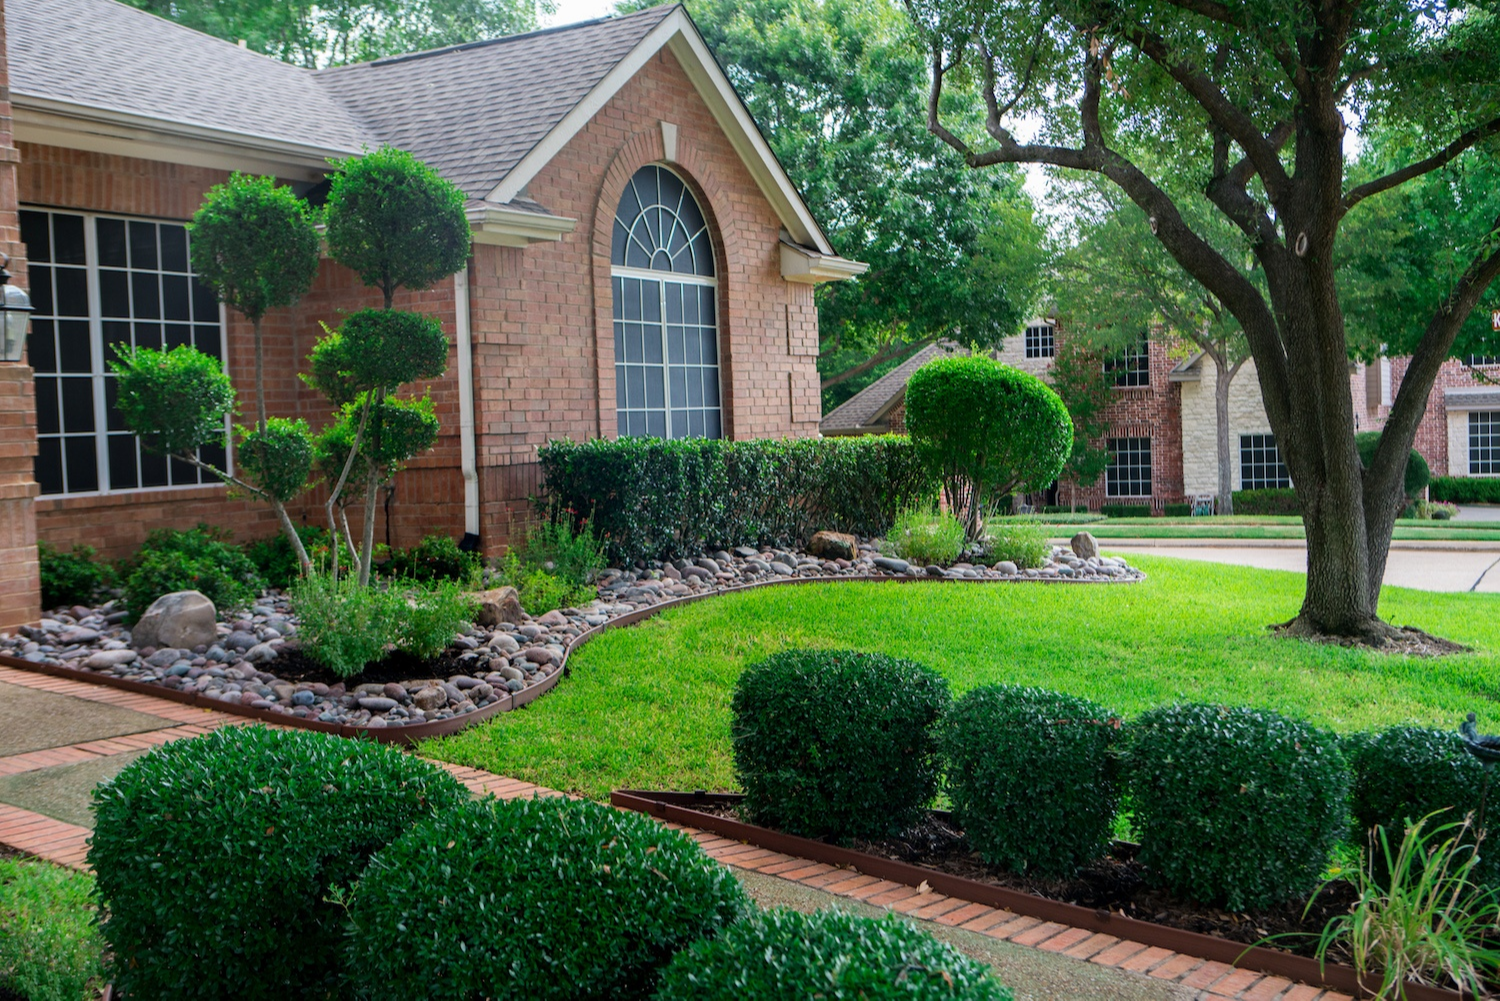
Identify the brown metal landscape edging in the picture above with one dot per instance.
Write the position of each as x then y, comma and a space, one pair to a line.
676, 807
445, 727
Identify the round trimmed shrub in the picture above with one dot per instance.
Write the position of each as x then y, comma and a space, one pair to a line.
216, 858
1417, 475
1403, 773
1235, 807
535, 899
1031, 777
837, 743
829, 955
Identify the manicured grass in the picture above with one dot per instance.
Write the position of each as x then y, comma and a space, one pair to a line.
1142, 528
49, 947
647, 706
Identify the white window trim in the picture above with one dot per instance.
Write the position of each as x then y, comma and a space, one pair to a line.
101, 365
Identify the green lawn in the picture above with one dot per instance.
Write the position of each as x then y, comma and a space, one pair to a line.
647, 706
1253, 527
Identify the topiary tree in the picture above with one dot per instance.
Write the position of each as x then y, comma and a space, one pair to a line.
256, 246
1417, 475
397, 224
985, 429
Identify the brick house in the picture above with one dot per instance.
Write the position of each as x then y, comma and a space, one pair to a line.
1144, 417
642, 263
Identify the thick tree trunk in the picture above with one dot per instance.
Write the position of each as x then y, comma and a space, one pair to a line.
1222, 377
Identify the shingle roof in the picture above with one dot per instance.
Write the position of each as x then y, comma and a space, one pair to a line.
858, 413
108, 55
473, 111
1487, 398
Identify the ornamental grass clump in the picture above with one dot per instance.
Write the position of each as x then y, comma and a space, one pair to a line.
1235, 807
837, 744
830, 955
926, 537
1031, 777
1404, 773
533, 899
218, 860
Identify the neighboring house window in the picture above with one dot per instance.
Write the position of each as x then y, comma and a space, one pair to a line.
1261, 467
1133, 366
666, 311
1484, 444
1129, 470
97, 282
1474, 361
1041, 341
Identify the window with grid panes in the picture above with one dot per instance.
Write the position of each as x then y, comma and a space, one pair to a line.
665, 311
1484, 443
1132, 367
1129, 470
96, 282
1261, 467
1041, 341
1474, 361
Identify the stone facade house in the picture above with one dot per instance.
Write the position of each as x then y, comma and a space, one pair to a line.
642, 263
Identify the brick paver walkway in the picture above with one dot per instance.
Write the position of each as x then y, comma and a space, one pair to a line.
66, 844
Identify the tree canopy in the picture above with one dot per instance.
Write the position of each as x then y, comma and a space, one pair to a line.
314, 34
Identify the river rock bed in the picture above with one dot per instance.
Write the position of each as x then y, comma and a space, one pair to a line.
481, 666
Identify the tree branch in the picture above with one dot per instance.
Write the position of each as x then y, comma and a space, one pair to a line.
1448, 153
881, 356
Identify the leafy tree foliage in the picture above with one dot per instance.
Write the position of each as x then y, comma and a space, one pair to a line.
1079, 380
986, 429
349, 31
1248, 103
835, 86
174, 400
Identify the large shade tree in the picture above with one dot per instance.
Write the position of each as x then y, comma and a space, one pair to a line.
1254, 99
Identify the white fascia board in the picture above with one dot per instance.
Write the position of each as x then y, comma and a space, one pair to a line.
676, 32
798, 264
45, 121
502, 226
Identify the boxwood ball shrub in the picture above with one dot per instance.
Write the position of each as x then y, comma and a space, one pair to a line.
830, 955
217, 858
837, 743
1403, 773
1031, 776
1235, 807
533, 899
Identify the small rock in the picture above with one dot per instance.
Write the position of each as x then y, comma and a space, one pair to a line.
241, 640
377, 704
78, 634
833, 545
892, 564
934, 571
261, 653
553, 618
1006, 567
430, 698
394, 691
781, 569
540, 655
498, 605
105, 659
303, 698
745, 552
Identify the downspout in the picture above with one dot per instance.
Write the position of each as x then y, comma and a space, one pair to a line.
466, 444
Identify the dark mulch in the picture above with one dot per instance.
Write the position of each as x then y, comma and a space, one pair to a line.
1120, 884
293, 665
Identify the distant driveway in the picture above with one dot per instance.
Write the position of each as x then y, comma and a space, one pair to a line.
1426, 567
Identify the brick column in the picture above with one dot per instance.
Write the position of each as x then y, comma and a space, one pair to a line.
20, 590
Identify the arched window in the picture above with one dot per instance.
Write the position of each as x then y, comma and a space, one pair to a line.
666, 311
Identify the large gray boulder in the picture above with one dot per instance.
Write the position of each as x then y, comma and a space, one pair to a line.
182, 620
1084, 546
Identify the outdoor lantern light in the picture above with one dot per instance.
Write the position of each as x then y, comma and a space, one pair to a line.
15, 310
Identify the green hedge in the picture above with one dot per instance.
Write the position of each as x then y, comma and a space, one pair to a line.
1465, 489
837, 743
533, 899
1177, 510
1282, 501
833, 956
649, 498
1031, 777
220, 860
1125, 510
1236, 807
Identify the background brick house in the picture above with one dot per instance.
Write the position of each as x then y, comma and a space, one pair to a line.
577, 147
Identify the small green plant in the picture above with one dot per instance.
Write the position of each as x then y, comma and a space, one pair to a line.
1420, 916
926, 537
600, 898
50, 949
276, 561
436, 557
345, 626
1236, 807
1022, 542
837, 743
539, 590
273, 828
1031, 776
830, 955
573, 555
198, 559
72, 578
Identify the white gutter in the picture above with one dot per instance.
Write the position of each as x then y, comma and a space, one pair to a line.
466, 447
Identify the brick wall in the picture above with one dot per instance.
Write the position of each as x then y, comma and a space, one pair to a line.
19, 587
1433, 437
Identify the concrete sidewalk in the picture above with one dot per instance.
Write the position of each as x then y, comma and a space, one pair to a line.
1427, 566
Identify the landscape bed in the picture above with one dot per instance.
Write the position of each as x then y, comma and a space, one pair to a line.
713, 812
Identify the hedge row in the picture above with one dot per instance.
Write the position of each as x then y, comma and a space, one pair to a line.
654, 499
1465, 489
1125, 510
1283, 501
1235, 807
